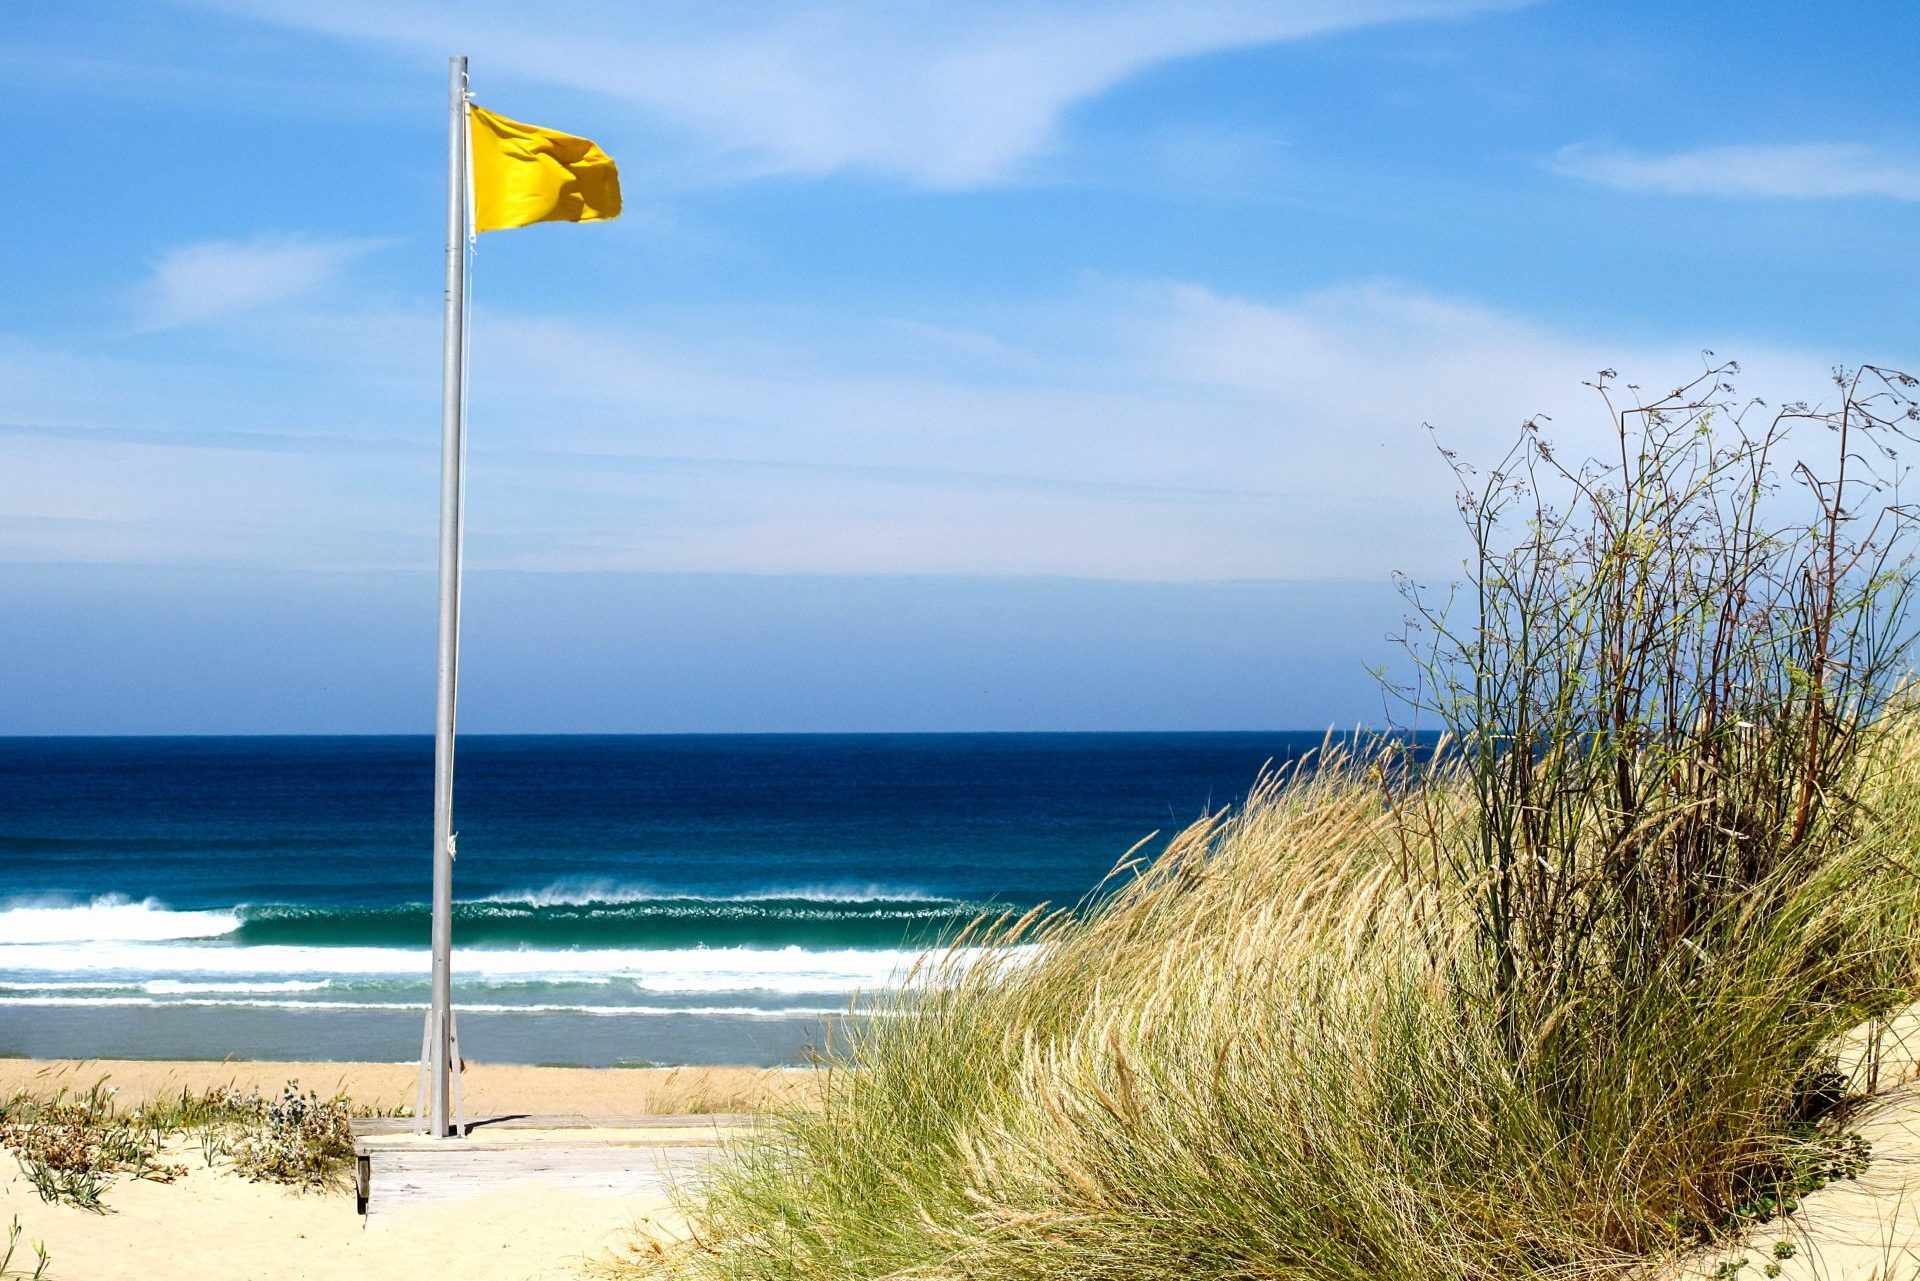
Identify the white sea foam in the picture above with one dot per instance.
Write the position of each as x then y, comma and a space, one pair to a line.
577, 891
179, 987
165, 987
784, 970
108, 919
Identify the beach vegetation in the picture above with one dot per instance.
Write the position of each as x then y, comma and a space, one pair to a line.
72, 1146
41, 1260
298, 1139
1561, 996
1658, 676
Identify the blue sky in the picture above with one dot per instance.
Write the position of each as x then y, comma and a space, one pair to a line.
1103, 332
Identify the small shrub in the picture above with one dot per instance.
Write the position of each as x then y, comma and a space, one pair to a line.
1661, 674
302, 1140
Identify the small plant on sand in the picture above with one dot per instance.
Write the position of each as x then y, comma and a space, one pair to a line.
1814, 1155
216, 1109
41, 1260
81, 1187
71, 1147
301, 1139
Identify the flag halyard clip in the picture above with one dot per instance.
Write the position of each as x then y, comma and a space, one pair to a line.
466, 114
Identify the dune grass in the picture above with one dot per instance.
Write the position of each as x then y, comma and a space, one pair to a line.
1555, 1002
1267, 1056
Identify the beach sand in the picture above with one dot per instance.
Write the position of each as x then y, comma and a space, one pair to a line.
213, 1225
1864, 1229
489, 1089
216, 1226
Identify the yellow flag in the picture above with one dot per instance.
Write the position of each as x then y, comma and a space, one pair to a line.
524, 174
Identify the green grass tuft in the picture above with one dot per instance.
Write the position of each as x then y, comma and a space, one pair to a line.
41, 1261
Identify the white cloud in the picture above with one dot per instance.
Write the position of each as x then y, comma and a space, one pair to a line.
942, 94
1804, 171
206, 281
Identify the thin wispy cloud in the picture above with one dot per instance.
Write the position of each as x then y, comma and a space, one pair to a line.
1135, 430
942, 95
197, 283
1794, 171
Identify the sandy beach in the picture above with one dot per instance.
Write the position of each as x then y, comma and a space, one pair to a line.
489, 1088
213, 1225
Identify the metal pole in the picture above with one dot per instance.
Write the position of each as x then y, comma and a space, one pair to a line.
452, 429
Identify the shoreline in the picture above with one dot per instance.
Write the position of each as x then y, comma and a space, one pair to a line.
532, 1037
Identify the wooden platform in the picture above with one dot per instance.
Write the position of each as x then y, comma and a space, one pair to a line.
595, 1156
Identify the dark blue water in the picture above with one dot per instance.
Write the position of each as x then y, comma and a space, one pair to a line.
630, 884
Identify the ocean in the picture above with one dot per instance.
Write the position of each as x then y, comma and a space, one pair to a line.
619, 900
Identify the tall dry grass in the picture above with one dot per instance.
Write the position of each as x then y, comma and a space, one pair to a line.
1273, 1053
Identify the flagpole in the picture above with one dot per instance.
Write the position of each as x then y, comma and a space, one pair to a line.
440, 1039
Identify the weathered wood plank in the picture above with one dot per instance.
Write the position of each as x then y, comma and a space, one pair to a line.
376, 1125
396, 1168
